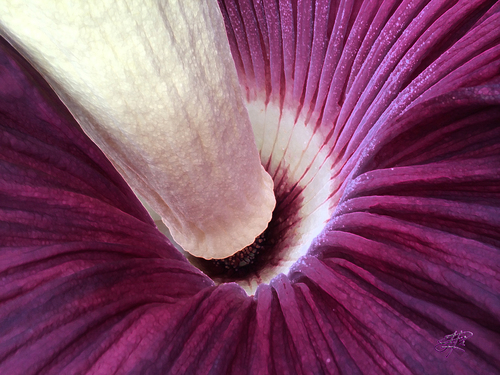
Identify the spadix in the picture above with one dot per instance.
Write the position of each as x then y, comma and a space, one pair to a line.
153, 84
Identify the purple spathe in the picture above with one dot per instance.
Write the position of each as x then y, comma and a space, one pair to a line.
410, 109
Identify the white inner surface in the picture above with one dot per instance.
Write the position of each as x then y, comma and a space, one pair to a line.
299, 151
293, 148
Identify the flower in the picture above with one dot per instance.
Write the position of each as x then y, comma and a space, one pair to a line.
405, 96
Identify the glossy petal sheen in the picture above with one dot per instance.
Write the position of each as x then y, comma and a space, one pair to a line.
406, 96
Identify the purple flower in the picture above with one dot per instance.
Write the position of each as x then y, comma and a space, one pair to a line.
382, 115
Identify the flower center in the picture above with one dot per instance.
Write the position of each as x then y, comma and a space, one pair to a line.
268, 256
294, 154
244, 258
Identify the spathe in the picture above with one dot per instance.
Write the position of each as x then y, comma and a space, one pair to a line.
410, 255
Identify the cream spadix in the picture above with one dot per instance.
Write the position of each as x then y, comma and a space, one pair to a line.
153, 84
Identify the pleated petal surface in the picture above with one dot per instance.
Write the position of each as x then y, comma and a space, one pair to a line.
405, 99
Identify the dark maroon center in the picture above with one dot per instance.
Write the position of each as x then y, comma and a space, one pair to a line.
268, 250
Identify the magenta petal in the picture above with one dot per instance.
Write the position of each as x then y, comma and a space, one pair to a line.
407, 94
411, 253
80, 259
49, 167
418, 227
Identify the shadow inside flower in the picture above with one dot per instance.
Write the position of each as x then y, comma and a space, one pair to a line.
406, 97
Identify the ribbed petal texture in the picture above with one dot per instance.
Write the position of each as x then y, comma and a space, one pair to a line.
406, 96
